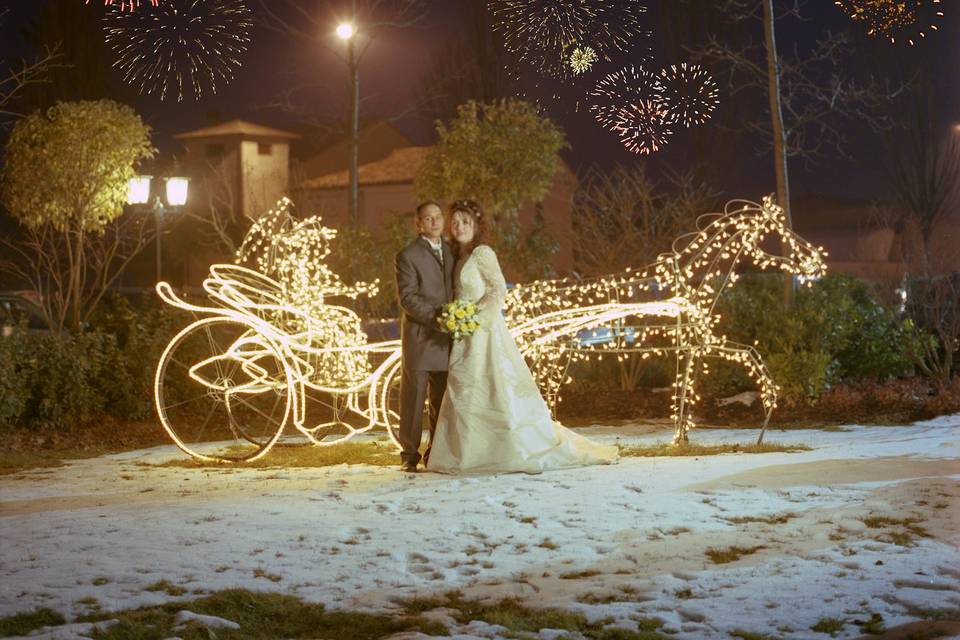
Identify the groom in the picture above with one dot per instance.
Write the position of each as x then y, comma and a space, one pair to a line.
424, 285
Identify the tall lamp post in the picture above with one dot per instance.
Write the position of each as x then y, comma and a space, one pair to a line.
347, 32
138, 193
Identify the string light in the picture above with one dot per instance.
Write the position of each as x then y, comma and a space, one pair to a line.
549, 318
909, 20
294, 342
184, 47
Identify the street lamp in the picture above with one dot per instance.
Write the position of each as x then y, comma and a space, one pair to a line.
138, 192
347, 32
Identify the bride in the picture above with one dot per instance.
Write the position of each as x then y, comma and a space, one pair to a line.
493, 417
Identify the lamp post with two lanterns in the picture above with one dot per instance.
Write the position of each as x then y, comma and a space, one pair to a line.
175, 192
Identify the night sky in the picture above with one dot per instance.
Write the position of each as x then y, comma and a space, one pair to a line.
393, 72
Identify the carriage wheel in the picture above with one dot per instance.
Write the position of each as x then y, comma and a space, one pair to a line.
391, 407
222, 392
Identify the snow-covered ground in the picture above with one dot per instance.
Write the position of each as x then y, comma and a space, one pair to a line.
359, 537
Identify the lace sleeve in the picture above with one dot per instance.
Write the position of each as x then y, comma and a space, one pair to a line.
495, 287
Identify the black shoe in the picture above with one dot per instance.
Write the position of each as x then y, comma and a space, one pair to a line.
409, 467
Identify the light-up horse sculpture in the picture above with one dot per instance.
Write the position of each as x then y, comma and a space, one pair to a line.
666, 308
271, 348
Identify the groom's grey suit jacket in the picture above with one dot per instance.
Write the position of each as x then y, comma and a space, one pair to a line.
423, 286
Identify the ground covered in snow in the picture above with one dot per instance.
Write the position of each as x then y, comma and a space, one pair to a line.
865, 523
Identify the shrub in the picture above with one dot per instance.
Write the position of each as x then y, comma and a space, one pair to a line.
59, 380
835, 330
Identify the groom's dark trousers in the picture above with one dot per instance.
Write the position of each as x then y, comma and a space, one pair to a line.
424, 285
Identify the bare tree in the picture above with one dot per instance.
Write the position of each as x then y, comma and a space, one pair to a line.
473, 67
17, 75
811, 101
218, 216
924, 168
934, 308
623, 219
45, 260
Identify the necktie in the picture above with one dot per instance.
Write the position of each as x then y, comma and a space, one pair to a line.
439, 253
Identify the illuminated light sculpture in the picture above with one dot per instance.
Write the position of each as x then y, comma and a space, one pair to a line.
629, 102
272, 346
908, 20
666, 308
689, 94
183, 47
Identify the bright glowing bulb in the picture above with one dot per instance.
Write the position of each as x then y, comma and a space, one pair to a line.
138, 190
345, 30
177, 191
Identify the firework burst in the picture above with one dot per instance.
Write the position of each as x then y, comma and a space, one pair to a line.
689, 94
183, 47
125, 5
897, 20
629, 102
546, 34
582, 59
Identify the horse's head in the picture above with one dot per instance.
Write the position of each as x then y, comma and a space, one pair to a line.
802, 258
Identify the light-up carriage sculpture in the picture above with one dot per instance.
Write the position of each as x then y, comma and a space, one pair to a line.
273, 350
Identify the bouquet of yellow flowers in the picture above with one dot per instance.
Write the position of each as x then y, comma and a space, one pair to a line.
459, 318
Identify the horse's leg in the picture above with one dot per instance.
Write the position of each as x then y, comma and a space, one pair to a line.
681, 389
748, 356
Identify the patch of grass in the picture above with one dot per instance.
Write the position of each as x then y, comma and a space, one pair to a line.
873, 626
835, 428
774, 518
520, 619
23, 623
577, 575
547, 543
260, 573
904, 537
16, 461
163, 585
260, 615
689, 449
828, 625
100, 581
373, 453
730, 554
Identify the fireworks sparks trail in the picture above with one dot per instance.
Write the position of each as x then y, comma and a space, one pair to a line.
904, 20
182, 47
629, 102
689, 94
126, 4
546, 34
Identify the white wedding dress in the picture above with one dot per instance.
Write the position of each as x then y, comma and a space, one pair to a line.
493, 418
